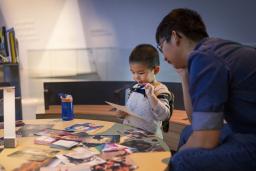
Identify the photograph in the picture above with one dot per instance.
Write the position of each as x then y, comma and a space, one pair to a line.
33, 165
34, 154
123, 163
137, 134
83, 127
95, 140
44, 140
29, 130
142, 146
53, 133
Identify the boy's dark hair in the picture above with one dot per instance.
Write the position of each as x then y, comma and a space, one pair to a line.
145, 54
182, 20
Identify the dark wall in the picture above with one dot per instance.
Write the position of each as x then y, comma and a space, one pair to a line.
97, 92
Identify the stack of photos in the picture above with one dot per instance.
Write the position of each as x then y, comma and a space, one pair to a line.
29, 130
79, 158
121, 163
48, 136
95, 140
83, 127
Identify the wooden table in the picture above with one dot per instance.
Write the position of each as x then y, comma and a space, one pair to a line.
178, 121
146, 161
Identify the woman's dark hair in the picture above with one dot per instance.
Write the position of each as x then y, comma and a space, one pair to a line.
146, 54
182, 20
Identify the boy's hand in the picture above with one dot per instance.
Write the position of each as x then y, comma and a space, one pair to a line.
151, 95
149, 90
121, 114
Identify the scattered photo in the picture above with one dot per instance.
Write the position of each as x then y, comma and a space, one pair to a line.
33, 165
29, 130
137, 134
142, 146
72, 138
64, 144
109, 147
44, 140
83, 127
123, 163
95, 140
68, 163
81, 153
34, 154
111, 154
53, 133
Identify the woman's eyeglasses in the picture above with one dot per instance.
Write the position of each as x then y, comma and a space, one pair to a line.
160, 45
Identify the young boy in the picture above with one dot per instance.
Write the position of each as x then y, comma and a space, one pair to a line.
148, 98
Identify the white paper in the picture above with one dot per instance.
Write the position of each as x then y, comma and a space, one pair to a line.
124, 109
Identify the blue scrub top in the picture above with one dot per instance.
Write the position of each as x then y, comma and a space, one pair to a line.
222, 84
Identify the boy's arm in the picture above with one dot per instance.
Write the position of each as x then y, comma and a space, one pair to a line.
160, 103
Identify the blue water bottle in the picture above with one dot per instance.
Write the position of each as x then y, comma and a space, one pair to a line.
66, 107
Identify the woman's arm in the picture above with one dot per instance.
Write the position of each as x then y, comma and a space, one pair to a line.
207, 139
183, 73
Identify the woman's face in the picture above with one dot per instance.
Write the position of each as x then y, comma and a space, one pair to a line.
172, 51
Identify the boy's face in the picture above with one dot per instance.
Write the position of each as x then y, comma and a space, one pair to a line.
142, 74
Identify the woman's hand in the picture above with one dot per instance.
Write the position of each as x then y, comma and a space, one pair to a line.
183, 72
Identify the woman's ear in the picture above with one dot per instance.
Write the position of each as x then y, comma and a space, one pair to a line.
175, 38
156, 69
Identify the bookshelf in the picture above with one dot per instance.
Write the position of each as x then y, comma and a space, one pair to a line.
9, 67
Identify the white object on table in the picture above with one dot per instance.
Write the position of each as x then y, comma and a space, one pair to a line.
9, 117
